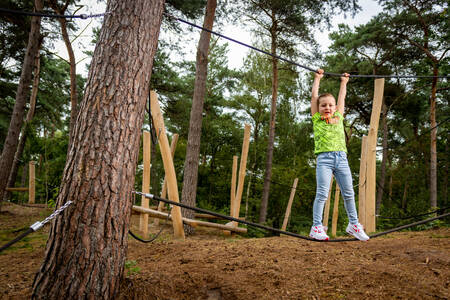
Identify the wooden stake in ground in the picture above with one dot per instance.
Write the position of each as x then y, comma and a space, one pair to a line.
335, 210
242, 169
31, 182
169, 168
289, 206
143, 220
326, 213
233, 187
362, 182
371, 155
173, 146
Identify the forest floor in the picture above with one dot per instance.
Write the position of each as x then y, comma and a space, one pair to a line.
211, 265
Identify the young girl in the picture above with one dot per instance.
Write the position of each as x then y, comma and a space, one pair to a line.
329, 146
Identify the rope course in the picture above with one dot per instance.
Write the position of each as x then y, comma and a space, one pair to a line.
36, 226
439, 210
85, 16
278, 231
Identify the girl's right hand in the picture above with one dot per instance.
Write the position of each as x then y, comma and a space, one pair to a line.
319, 73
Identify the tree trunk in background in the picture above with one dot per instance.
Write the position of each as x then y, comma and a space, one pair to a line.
87, 245
271, 140
23, 136
73, 71
23, 92
381, 190
190, 178
433, 137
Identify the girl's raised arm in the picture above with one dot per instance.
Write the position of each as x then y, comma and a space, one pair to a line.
315, 91
342, 92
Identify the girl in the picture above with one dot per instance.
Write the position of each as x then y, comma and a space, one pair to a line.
331, 151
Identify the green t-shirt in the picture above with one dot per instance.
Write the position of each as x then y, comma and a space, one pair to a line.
328, 137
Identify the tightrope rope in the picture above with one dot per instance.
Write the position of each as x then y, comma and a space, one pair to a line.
293, 62
151, 196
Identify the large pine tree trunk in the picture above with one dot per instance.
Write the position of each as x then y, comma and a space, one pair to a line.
195, 124
23, 92
271, 140
87, 246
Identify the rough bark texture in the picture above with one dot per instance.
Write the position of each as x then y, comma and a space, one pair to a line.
195, 124
433, 137
86, 250
23, 91
271, 140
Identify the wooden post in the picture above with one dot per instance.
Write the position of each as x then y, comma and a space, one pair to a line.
173, 146
242, 169
371, 155
146, 147
169, 168
335, 210
233, 187
326, 213
289, 206
362, 183
31, 182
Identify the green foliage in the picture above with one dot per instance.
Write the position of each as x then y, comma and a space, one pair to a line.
132, 267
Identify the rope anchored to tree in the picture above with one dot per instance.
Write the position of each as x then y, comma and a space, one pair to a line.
278, 231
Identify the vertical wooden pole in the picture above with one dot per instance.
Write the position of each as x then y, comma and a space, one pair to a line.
169, 168
242, 169
362, 183
233, 188
31, 182
289, 206
146, 145
371, 155
335, 210
173, 146
326, 213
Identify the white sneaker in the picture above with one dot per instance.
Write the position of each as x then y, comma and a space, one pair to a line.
357, 231
318, 233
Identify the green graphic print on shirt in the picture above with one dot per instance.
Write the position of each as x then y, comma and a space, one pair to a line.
328, 137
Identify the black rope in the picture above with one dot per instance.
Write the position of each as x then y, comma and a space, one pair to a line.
18, 238
49, 15
154, 237
275, 230
414, 216
295, 63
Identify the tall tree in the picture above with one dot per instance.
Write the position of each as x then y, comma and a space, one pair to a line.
195, 123
87, 246
424, 26
22, 95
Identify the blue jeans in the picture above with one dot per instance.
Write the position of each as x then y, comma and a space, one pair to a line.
336, 163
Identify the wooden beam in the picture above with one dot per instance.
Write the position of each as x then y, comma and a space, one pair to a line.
326, 214
233, 187
289, 206
146, 150
169, 168
17, 189
173, 146
31, 182
372, 155
335, 210
362, 183
242, 169
194, 223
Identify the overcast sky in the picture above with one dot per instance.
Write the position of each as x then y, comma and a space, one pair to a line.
237, 52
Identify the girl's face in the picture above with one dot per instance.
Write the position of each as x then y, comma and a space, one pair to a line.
327, 105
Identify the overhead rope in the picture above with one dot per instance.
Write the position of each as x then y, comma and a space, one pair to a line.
293, 62
50, 15
36, 226
278, 231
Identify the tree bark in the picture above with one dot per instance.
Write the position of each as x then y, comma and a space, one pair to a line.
87, 246
433, 137
195, 124
23, 91
23, 136
381, 191
271, 140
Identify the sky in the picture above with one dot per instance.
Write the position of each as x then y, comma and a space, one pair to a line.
237, 52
